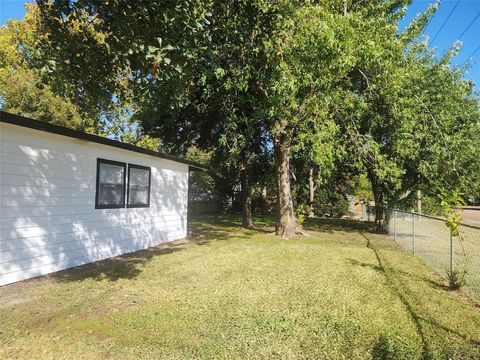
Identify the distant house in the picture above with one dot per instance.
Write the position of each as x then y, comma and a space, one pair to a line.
68, 198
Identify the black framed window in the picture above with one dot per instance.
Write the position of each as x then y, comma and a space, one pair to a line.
138, 186
110, 191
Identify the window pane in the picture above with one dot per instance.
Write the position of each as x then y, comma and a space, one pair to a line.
138, 186
111, 174
110, 194
111, 184
138, 196
138, 177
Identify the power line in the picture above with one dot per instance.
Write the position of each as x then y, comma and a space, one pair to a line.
469, 25
448, 17
474, 52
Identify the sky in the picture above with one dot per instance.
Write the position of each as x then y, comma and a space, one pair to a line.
464, 13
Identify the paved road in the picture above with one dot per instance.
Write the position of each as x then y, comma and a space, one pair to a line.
471, 214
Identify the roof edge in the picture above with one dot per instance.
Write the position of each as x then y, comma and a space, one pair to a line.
29, 123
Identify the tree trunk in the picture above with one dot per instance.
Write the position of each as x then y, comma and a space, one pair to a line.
345, 7
381, 216
311, 193
263, 201
286, 221
246, 191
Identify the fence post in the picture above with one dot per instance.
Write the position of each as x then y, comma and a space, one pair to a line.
395, 224
368, 212
452, 260
413, 223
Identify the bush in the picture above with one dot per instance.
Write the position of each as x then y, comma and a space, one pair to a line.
456, 279
330, 203
301, 213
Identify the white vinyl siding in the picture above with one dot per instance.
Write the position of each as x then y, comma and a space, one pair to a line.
48, 220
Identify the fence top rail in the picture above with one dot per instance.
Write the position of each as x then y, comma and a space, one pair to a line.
431, 217
470, 226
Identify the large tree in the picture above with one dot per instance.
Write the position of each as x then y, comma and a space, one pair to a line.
101, 51
408, 116
219, 114
191, 66
243, 78
22, 90
29, 87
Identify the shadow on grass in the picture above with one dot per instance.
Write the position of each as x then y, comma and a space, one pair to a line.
329, 225
266, 223
202, 230
263, 223
433, 283
127, 266
406, 295
384, 349
366, 265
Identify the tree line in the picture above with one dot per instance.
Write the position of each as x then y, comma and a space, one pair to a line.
294, 102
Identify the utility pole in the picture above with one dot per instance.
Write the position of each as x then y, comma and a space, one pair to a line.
419, 201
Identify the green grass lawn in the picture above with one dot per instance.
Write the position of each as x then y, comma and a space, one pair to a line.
342, 293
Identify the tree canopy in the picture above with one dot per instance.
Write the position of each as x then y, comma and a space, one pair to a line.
22, 90
330, 94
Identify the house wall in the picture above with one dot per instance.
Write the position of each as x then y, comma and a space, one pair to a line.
48, 220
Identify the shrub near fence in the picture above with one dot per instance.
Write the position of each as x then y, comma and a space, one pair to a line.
429, 238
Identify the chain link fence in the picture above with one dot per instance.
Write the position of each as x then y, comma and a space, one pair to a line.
429, 238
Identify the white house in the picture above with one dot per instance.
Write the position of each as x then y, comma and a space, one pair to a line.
68, 198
